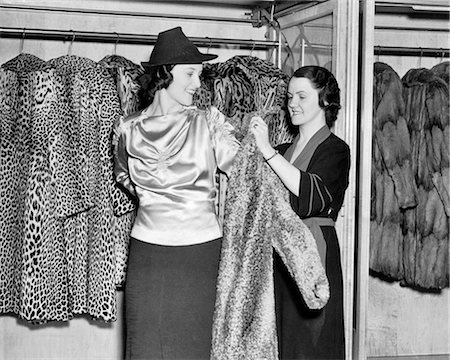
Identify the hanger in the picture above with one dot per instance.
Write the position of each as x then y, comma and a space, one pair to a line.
71, 42
290, 55
377, 53
209, 45
253, 48
420, 57
22, 41
117, 42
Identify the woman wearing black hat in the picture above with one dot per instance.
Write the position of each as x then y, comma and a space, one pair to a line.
167, 156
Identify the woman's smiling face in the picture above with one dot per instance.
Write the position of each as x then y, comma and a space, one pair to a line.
186, 80
303, 102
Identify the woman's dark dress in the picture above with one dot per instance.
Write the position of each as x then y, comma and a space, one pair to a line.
303, 333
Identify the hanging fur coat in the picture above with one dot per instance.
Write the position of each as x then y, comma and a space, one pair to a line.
393, 184
426, 242
240, 86
269, 86
245, 84
91, 253
10, 259
442, 70
44, 197
259, 219
125, 74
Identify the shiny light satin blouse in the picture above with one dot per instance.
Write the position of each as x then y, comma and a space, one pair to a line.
169, 162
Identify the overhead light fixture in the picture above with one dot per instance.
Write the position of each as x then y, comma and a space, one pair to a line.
430, 8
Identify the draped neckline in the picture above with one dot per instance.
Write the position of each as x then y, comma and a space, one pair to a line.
163, 135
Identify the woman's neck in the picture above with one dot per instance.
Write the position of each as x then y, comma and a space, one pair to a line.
162, 105
307, 131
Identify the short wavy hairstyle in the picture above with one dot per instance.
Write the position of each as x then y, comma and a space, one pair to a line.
154, 79
329, 92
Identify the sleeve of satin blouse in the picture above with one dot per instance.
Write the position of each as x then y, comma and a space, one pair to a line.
121, 157
327, 175
223, 138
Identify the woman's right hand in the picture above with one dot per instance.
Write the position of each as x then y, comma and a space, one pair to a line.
260, 131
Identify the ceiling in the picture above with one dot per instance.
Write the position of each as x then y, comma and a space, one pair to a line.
274, 7
244, 3
279, 4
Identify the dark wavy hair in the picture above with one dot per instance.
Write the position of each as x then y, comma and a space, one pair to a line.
329, 92
154, 79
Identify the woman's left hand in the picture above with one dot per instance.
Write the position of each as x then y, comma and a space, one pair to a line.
261, 133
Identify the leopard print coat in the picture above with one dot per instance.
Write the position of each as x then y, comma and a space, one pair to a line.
258, 219
240, 86
36, 267
91, 252
125, 74
9, 184
58, 255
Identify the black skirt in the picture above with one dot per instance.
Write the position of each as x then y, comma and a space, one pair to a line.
169, 300
304, 333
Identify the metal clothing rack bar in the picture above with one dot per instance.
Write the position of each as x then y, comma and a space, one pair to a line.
411, 28
128, 13
411, 51
122, 38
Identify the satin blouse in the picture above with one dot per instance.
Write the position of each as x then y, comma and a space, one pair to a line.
169, 163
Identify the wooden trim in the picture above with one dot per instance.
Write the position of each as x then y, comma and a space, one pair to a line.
345, 63
346, 24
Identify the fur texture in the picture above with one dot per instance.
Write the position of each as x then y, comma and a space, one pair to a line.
258, 219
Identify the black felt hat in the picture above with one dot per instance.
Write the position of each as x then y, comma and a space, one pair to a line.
173, 47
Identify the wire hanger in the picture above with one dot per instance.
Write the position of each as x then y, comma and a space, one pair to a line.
253, 48
116, 43
420, 58
22, 41
71, 42
209, 45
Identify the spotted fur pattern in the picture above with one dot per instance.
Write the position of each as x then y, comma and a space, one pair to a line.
92, 233
61, 255
9, 191
125, 74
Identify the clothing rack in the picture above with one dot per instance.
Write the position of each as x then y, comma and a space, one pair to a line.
122, 38
411, 51
127, 13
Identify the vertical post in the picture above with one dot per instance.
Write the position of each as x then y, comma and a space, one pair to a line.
280, 44
365, 161
345, 68
302, 57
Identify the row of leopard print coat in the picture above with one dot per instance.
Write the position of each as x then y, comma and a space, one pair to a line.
62, 253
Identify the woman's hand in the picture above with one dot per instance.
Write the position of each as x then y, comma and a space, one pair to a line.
288, 173
261, 133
